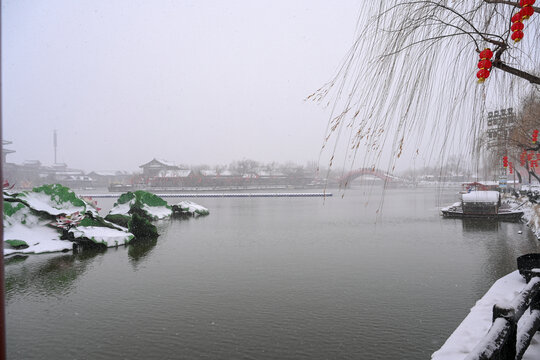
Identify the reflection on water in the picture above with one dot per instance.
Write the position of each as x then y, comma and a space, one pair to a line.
46, 274
480, 225
140, 248
15, 259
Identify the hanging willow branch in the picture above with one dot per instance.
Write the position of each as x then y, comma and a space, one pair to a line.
409, 77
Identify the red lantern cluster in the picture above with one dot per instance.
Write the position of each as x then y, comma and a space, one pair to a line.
517, 27
484, 64
511, 167
526, 8
505, 161
529, 157
517, 20
535, 136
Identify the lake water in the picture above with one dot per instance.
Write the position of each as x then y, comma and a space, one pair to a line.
267, 278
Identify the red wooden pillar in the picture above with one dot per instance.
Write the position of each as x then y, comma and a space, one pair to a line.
2, 290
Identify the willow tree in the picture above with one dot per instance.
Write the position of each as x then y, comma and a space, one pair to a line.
408, 84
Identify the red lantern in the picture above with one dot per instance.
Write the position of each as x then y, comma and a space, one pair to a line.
486, 54
511, 167
482, 75
517, 26
505, 161
484, 64
526, 8
517, 36
517, 17
535, 136
527, 12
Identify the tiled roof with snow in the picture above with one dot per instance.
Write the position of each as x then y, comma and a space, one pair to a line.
481, 196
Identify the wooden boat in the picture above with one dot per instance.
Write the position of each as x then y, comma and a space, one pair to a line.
481, 205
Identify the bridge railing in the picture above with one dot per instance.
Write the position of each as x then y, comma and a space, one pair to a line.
504, 341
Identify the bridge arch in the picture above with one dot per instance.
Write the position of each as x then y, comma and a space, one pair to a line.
347, 178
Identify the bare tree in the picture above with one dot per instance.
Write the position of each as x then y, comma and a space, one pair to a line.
244, 166
521, 145
409, 79
529, 120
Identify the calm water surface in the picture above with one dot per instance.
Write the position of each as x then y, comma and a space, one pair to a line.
267, 278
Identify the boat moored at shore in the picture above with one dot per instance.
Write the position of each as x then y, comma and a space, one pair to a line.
482, 205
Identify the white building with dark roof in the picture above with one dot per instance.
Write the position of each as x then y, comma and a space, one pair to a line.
155, 166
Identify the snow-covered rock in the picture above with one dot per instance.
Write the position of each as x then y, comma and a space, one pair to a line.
26, 232
50, 218
102, 235
190, 208
151, 205
52, 199
101, 231
136, 210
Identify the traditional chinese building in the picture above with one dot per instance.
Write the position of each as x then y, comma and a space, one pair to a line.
155, 166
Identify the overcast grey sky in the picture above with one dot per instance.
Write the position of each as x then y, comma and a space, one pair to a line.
192, 82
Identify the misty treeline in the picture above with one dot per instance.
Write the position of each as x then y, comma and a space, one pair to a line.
455, 167
408, 88
254, 167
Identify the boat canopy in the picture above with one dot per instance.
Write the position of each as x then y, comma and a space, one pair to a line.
481, 197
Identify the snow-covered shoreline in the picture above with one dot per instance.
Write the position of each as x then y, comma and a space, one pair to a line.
475, 326
531, 212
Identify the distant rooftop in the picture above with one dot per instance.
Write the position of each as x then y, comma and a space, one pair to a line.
158, 163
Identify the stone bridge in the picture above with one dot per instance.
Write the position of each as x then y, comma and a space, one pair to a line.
346, 179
